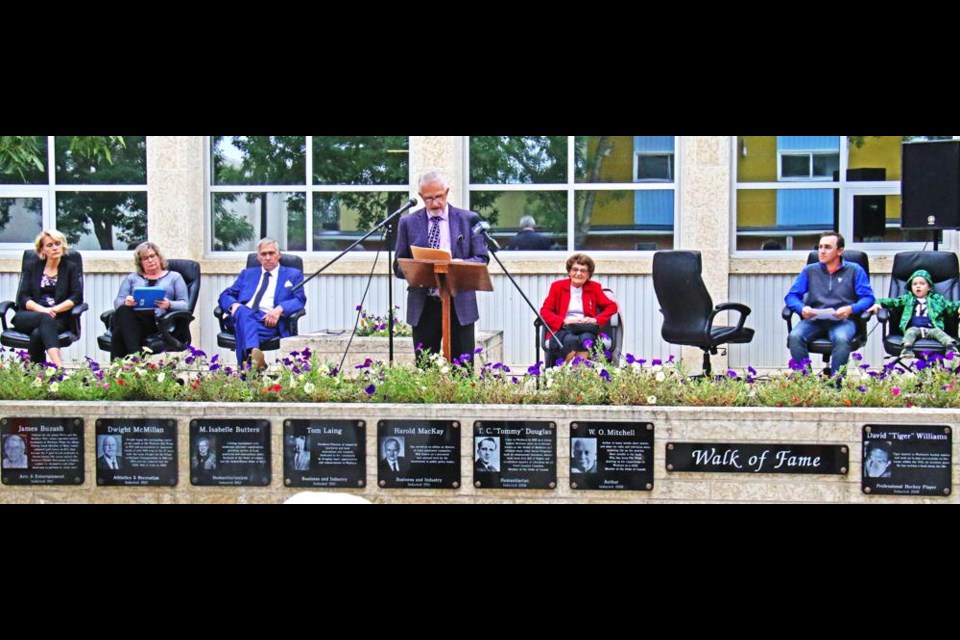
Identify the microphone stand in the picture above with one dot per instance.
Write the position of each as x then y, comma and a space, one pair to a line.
393, 217
493, 247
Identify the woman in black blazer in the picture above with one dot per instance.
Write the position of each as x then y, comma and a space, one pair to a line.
51, 287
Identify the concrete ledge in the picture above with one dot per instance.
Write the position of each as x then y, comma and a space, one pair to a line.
740, 425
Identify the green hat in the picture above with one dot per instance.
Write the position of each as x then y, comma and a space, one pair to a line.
921, 273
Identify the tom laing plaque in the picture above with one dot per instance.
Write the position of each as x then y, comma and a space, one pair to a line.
611, 456
42, 451
514, 454
418, 454
229, 453
136, 453
324, 453
907, 460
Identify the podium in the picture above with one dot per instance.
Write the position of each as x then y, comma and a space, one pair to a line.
450, 278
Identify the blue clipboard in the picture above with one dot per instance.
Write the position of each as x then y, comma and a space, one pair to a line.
147, 296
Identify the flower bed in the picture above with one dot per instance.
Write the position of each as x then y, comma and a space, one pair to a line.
192, 377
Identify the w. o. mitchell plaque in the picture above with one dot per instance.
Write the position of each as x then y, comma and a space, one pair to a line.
40, 451
611, 456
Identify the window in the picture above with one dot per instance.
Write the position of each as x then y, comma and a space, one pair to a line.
791, 188
584, 192
310, 193
95, 194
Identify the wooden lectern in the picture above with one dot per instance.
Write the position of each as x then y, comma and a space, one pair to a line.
450, 277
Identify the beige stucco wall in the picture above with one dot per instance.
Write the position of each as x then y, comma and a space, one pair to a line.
679, 424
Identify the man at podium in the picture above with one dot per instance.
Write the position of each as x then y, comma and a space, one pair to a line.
440, 226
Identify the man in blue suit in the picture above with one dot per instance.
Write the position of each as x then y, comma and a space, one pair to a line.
257, 300
424, 309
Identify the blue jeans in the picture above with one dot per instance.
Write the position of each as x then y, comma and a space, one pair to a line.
840, 332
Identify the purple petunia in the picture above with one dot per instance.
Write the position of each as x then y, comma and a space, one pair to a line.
370, 390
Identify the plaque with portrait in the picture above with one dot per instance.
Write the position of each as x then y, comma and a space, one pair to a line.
418, 454
907, 460
136, 453
227, 452
514, 454
42, 451
324, 453
607, 456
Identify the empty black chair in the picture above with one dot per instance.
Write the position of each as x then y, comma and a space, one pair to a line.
945, 269
687, 308
14, 339
173, 328
823, 346
226, 338
613, 330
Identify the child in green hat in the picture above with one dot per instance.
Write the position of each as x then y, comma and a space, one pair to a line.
923, 313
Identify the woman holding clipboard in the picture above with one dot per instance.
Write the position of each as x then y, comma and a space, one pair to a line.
143, 298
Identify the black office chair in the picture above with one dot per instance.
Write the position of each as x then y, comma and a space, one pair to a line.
687, 308
226, 339
173, 330
613, 330
823, 346
945, 270
14, 339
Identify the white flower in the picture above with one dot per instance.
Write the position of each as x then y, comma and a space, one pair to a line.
38, 382
54, 386
161, 376
309, 387
660, 377
549, 383
636, 366
50, 371
293, 381
444, 369
147, 349
651, 399
656, 367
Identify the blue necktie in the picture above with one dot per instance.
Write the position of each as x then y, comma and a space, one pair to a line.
264, 283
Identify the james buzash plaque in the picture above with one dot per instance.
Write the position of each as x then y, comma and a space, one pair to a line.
611, 455
227, 452
42, 451
324, 453
514, 454
907, 460
136, 453
418, 454
726, 457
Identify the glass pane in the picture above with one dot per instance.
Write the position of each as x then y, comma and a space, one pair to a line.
624, 220
795, 166
20, 219
259, 160
518, 159
103, 220
826, 165
504, 209
784, 218
88, 163
240, 220
19, 158
624, 158
340, 219
380, 160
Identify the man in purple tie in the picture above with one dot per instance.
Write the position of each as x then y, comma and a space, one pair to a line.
257, 300
440, 225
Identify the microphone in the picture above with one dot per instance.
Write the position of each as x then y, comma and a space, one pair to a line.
412, 202
482, 228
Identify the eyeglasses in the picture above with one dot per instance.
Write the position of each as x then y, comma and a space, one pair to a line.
152, 256
579, 270
55, 243
429, 199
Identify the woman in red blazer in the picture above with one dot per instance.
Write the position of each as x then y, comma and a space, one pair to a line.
576, 308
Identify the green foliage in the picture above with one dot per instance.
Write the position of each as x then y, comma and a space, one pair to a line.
371, 325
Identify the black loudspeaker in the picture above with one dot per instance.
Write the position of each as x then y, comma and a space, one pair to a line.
931, 185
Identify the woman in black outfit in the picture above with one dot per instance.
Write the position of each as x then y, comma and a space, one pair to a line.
51, 287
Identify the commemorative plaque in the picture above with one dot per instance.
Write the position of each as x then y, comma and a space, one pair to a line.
136, 453
726, 457
42, 451
611, 456
228, 452
514, 454
418, 454
324, 453
907, 460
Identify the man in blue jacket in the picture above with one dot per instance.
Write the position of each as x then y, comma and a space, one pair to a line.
257, 300
835, 290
